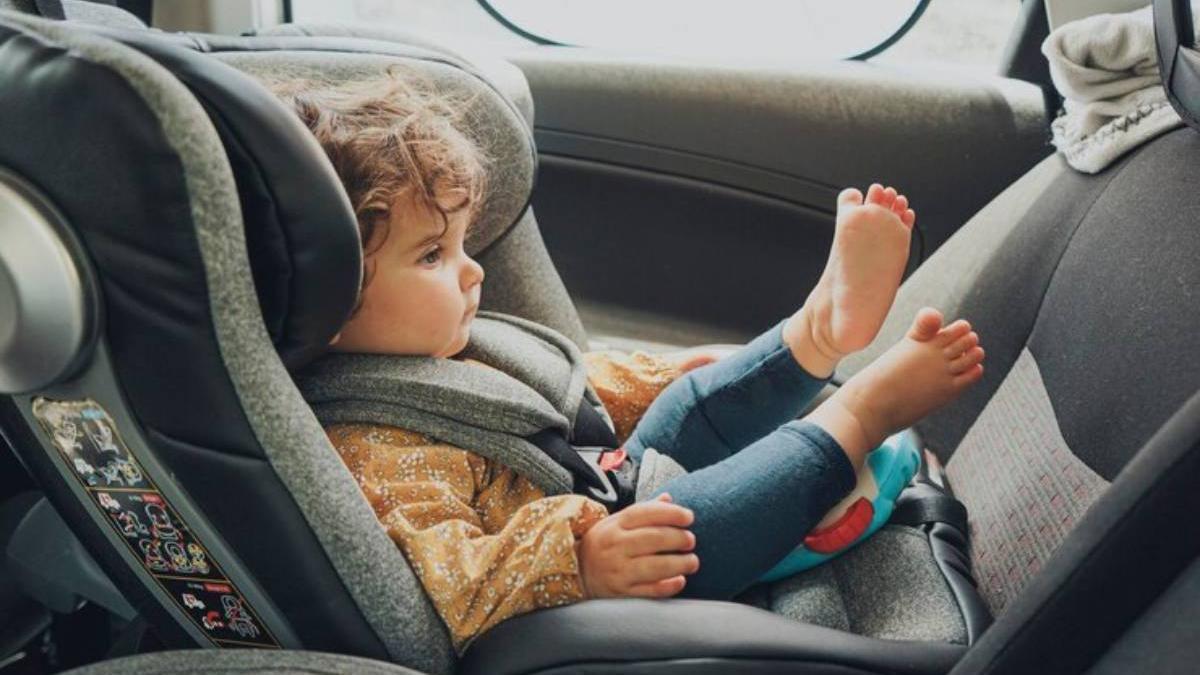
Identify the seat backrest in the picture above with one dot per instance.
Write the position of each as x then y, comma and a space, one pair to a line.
1084, 292
195, 213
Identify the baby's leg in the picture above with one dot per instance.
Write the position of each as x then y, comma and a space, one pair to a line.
712, 412
752, 508
716, 410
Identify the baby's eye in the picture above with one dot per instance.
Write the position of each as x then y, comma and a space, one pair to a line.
432, 256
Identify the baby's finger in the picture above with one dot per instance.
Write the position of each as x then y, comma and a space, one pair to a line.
645, 514
647, 568
696, 361
651, 540
658, 589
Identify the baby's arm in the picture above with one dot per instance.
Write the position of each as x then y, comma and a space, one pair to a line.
484, 542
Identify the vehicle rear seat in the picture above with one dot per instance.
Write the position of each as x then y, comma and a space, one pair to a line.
1077, 455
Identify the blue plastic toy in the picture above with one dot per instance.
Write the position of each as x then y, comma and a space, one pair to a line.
888, 469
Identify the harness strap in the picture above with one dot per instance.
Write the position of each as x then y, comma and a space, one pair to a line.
922, 503
581, 457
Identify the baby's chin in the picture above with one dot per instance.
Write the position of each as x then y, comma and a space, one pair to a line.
461, 340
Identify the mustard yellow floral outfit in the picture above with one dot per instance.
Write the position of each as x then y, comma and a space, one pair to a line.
485, 542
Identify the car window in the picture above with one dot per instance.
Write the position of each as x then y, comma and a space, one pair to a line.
960, 32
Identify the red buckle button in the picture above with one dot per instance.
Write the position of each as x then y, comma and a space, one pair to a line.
612, 459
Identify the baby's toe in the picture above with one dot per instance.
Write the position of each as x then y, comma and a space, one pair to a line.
875, 194
889, 197
969, 377
953, 332
850, 197
909, 217
961, 345
969, 359
925, 325
900, 205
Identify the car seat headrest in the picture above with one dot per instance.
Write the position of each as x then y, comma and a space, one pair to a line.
301, 231
507, 78
491, 121
1178, 58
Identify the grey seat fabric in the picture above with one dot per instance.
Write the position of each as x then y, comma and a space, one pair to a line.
887, 587
240, 661
1076, 302
503, 74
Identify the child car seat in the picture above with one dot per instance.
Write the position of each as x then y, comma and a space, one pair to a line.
252, 435
197, 150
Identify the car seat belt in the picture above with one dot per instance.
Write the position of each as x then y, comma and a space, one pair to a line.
584, 457
923, 502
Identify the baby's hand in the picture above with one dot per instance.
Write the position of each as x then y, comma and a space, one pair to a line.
632, 552
696, 357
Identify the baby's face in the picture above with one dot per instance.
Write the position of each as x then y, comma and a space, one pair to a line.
423, 291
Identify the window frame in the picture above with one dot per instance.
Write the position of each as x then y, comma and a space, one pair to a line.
542, 40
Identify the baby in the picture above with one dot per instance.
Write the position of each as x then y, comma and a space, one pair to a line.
485, 542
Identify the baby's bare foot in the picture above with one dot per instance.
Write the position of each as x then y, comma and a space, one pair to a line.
925, 370
849, 303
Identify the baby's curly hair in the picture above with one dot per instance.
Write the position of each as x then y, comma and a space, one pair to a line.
390, 137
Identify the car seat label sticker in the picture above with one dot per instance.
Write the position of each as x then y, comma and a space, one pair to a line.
85, 435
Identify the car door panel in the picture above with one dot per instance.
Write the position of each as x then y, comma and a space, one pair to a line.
705, 194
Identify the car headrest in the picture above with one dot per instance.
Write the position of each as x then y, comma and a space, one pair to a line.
1178, 59
301, 232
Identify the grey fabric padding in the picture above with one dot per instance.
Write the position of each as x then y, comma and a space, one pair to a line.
813, 596
238, 661
655, 471
545, 359
521, 279
368, 562
888, 587
1023, 487
537, 381
1138, 256
487, 120
100, 14
505, 76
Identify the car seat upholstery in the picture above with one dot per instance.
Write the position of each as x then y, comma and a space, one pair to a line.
1106, 438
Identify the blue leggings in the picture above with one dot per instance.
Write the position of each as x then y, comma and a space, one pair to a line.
758, 479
